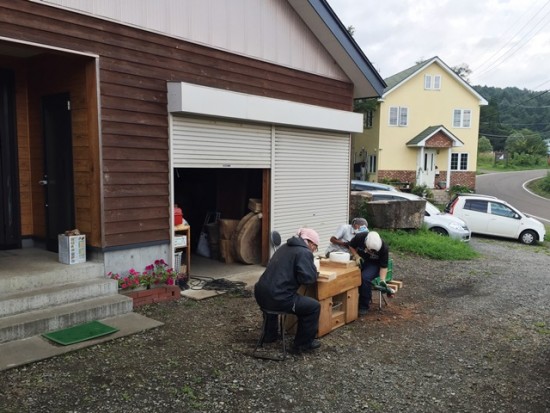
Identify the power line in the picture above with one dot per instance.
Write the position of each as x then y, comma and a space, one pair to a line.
509, 40
513, 50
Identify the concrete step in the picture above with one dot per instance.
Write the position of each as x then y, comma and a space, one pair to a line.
41, 321
35, 348
40, 298
48, 275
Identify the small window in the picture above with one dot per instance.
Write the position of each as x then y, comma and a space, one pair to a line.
427, 82
432, 82
367, 119
462, 118
399, 116
437, 82
476, 205
459, 162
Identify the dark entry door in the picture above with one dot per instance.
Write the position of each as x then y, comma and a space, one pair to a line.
10, 230
58, 161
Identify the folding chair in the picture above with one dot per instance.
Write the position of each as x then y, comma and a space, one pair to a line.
275, 240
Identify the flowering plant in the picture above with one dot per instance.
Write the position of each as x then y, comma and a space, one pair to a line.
155, 274
126, 282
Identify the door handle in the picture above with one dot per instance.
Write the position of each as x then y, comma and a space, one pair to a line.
43, 182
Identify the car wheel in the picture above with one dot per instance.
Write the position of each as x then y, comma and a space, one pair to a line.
439, 231
528, 237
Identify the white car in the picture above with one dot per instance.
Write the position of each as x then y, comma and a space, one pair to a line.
435, 220
489, 215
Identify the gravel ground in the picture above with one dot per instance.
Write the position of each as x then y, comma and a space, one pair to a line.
468, 336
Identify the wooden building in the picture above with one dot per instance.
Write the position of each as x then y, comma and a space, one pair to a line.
111, 112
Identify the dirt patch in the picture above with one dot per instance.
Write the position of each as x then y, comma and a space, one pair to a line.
460, 336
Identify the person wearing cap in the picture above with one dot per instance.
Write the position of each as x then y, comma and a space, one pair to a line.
344, 233
373, 255
277, 289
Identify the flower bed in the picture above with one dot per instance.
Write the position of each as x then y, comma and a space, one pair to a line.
154, 295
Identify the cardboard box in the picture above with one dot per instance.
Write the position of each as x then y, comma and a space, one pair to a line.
72, 249
255, 205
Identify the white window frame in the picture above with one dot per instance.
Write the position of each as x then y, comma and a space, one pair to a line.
432, 82
459, 161
437, 82
427, 82
462, 118
398, 116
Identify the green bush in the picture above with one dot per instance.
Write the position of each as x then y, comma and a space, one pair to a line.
544, 183
525, 159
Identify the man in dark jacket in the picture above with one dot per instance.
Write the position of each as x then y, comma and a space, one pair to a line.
290, 267
373, 256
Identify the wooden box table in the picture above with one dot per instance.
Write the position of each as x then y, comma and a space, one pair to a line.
337, 292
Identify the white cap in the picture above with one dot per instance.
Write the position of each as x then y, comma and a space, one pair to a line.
373, 241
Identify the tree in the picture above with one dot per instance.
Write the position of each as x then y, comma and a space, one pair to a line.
484, 145
527, 142
462, 70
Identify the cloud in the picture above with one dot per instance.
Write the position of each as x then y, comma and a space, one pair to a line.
505, 42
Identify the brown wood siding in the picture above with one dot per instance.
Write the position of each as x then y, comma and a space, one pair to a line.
134, 68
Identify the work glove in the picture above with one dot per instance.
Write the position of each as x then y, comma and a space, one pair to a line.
359, 261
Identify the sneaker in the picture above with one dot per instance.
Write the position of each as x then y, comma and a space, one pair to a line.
315, 344
363, 311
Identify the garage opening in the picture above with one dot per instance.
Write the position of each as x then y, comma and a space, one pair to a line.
216, 201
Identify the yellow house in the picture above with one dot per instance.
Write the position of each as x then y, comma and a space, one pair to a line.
424, 129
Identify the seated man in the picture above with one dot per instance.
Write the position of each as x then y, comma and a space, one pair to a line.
373, 256
277, 289
344, 234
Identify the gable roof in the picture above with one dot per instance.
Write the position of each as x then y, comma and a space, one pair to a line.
327, 27
397, 80
421, 139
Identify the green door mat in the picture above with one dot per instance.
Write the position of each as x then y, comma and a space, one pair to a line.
81, 332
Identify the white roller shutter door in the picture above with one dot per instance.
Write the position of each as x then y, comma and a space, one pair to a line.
208, 143
310, 182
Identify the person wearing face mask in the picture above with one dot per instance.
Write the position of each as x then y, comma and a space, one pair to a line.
344, 233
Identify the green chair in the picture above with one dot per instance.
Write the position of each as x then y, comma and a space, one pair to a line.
376, 284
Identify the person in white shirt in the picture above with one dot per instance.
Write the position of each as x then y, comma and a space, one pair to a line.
344, 233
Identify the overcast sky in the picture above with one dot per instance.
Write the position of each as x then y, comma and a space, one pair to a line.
506, 43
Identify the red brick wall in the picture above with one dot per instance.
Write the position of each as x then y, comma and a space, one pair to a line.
401, 176
461, 178
439, 140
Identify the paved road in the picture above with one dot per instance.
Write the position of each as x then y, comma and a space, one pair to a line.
509, 186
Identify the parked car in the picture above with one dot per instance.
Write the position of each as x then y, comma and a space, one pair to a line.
489, 215
357, 185
435, 220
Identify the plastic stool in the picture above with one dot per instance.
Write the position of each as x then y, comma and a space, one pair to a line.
281, 315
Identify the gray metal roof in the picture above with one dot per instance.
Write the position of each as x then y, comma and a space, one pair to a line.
422, 137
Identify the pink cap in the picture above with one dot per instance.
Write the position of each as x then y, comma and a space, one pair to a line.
309, 234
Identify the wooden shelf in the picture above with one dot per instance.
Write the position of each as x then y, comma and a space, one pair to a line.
184, 230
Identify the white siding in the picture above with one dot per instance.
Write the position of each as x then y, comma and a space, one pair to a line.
206, 143
310, 182
268, 30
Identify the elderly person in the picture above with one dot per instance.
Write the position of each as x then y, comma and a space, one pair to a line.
277, 289
344, 233
373, 255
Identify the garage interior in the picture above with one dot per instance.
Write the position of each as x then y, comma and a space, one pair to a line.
205, 194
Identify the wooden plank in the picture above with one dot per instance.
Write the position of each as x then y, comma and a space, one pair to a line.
398, 283
345, 280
